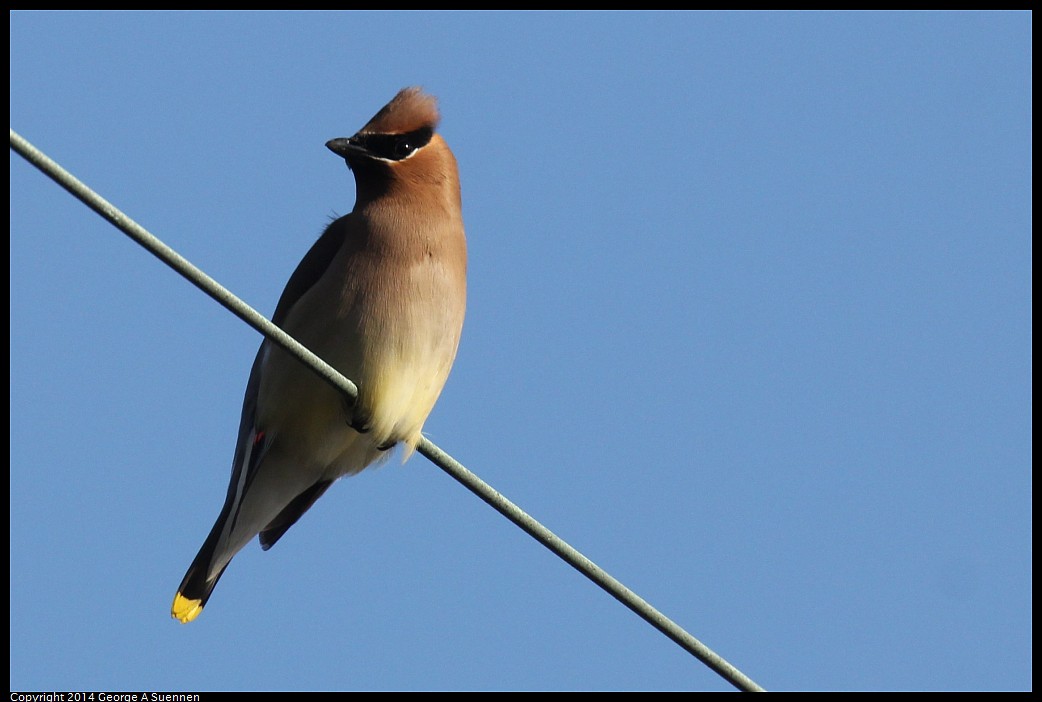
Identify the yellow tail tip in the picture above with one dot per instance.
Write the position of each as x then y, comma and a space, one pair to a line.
185, 610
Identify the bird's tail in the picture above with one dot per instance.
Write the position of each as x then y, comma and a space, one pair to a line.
196, 587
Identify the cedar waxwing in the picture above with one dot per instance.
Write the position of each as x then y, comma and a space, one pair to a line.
380, 297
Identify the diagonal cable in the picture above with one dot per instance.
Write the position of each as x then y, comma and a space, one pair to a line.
436, 455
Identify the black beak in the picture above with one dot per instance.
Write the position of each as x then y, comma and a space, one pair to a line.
346, 147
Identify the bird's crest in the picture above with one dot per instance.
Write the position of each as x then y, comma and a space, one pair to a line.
411, 109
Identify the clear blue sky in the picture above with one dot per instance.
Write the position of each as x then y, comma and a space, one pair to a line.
749, 324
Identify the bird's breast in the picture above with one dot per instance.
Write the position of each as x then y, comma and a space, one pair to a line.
389, 323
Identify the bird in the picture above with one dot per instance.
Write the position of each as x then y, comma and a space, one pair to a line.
381, 297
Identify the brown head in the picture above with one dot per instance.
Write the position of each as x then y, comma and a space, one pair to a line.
399, 146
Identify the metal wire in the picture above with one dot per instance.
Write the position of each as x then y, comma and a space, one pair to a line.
436, 455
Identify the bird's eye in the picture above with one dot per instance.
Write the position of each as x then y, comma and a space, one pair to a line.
403, 146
